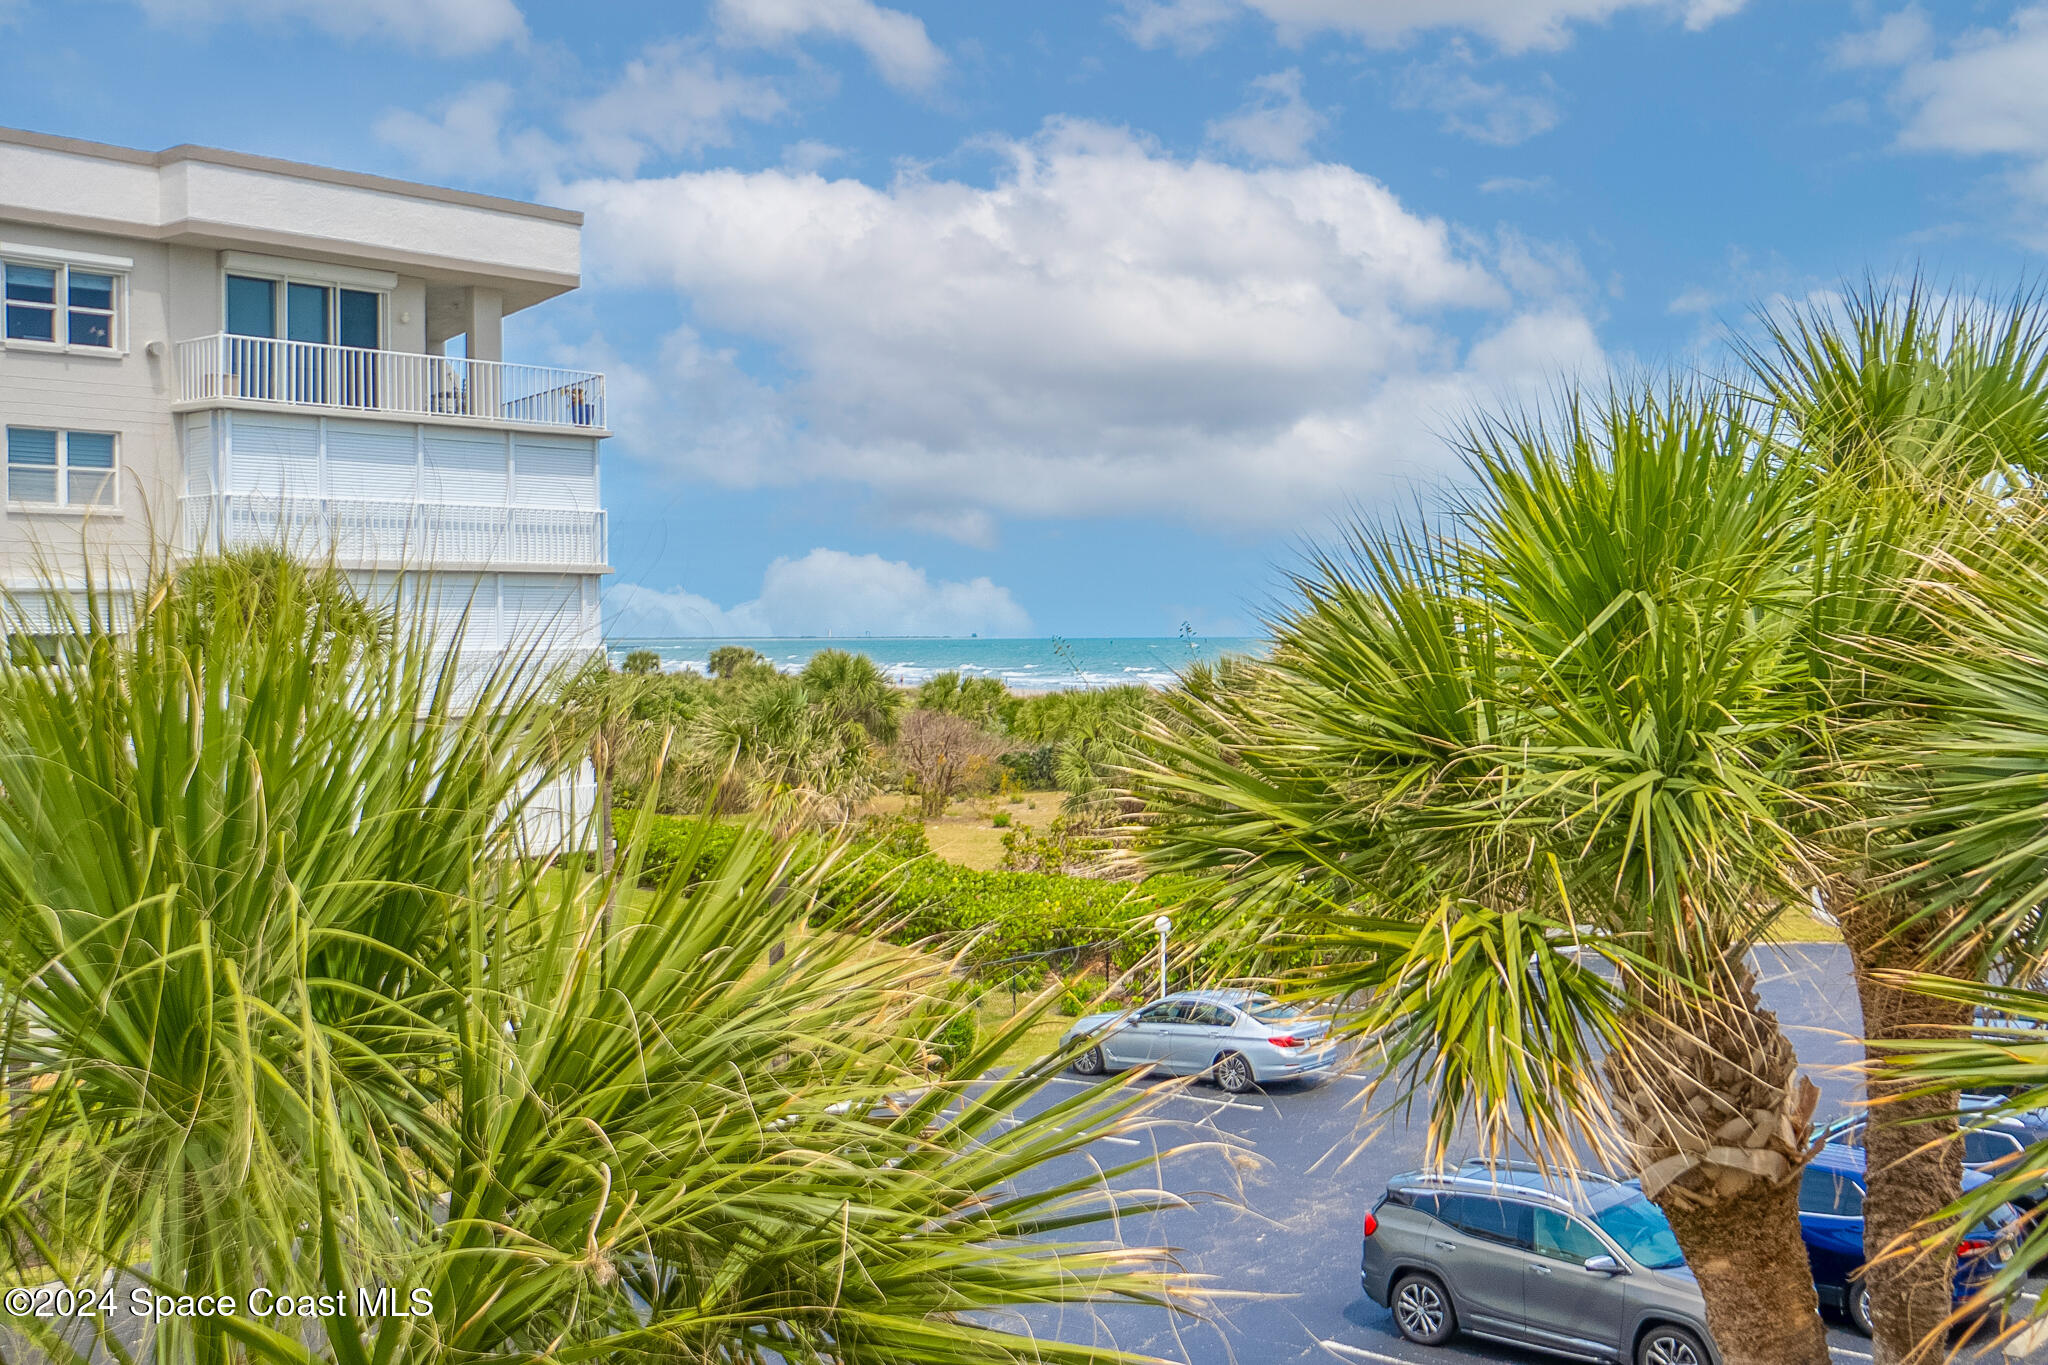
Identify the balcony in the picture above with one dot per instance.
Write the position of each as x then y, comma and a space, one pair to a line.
394, 534
351, 379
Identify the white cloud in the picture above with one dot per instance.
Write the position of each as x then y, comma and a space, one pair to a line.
902, 52
1516, 184
669, 101
1897, 39
1276, 124
827, 592
1471, 107
1105, 329
1985, 95
1188, 26
1510, 25
1988, 94
454, 27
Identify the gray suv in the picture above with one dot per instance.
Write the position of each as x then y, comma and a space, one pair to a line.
1576, 1264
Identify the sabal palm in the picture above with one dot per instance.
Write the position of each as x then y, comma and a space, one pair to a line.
283, 1010
1915, 421
1525, 792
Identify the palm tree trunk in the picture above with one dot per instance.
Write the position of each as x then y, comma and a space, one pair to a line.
1714, 1115
1915, 1163
1751, 1264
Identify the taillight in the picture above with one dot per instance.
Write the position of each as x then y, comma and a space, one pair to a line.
1971, 1246
1372, 1225
1284, 1040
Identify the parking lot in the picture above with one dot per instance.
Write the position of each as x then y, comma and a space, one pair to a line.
1278, 1213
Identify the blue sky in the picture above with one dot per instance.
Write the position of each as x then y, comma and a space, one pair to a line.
1078, 318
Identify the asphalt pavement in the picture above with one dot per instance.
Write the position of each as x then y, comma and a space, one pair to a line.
1280, 1202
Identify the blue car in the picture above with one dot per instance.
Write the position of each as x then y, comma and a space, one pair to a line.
1831, 1221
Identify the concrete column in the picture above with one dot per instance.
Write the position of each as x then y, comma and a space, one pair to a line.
483, 312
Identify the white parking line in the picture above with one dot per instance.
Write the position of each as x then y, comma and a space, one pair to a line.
1360, 1353
1198, 1099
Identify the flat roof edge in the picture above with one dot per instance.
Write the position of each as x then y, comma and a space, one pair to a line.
217, 156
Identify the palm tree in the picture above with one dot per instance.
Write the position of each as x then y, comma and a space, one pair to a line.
851, 688
1912, 421
599, 712
1962, 785
284, 1011
1525, 794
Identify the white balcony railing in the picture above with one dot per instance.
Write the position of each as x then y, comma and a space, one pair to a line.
396, 533
303, 374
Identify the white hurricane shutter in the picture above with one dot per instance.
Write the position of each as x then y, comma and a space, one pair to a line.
197, 447
373, 460
275, 456
544, 610
554, 473
464, 467
451, 596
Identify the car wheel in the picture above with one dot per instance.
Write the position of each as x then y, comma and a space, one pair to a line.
1422, 1310
1859, 1308
1234, 1073
1089, 1063
1667, 1345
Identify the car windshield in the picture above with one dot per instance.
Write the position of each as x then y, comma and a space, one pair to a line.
1637, 1224
1269, 1011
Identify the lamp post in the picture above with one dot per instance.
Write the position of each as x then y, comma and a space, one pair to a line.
1165, 927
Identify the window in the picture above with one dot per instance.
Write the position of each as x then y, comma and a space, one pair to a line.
1641, 1229
1831, 1193
1563, 1237
60, 468
1165, 1012
1267, 1010
61, 305
1211, 1016
1496, 1220
1990, 1147
92, 308
321, 314
31, 303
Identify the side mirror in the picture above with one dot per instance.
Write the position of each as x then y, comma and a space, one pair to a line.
1604, 1265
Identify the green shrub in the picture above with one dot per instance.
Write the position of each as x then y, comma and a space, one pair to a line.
1032, 768
954, 1041
1083, 995
1001, 819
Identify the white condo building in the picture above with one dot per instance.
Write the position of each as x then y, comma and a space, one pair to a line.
205, 350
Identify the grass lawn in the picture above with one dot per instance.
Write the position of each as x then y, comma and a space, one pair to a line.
1797, 926
967, 833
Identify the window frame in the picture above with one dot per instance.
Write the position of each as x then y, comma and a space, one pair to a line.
60, 308
62, 470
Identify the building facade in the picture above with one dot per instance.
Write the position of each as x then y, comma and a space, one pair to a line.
205, 350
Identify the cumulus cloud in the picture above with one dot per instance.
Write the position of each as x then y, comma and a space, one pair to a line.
896, 43
827, 592
1986, 94
1473, 108
1277, 124
671, 100
1983, 95
1898, 38
1510, 25
453, 27
1104, 329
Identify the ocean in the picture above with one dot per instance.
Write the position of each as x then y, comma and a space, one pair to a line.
1023, 665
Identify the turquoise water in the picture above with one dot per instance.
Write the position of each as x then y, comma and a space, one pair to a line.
1026, 665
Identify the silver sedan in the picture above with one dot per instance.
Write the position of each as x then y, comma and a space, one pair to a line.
1242, 1038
